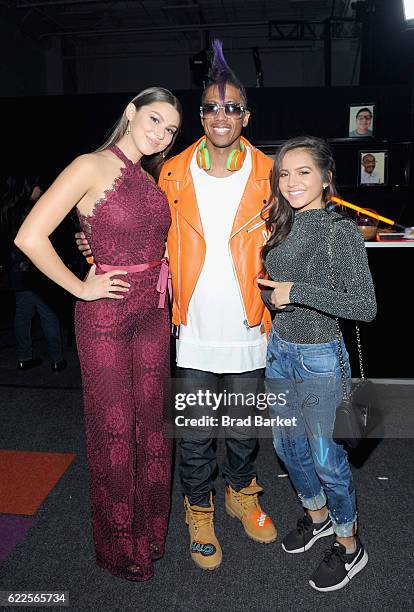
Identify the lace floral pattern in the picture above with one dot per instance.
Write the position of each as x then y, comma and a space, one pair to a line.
123, 347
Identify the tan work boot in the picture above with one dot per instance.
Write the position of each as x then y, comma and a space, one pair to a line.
205, 549
245, 506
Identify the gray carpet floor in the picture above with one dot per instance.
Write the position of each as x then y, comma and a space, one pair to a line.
41, 411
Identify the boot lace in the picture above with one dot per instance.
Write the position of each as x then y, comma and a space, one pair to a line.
247, 501
200, 518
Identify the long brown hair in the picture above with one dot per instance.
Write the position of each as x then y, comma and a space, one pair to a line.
151, 163
280, 216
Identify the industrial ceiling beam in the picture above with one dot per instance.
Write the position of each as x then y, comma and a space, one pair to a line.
341, 27
196, 27
277, 30
243, 51
44, 3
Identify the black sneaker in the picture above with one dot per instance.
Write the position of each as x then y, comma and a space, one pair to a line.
305, 535
338, 568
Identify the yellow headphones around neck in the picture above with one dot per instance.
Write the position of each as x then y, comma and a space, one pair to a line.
234, 162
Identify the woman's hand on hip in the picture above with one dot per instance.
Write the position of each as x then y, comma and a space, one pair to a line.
98, 286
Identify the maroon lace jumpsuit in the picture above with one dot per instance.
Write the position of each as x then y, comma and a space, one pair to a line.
123, 349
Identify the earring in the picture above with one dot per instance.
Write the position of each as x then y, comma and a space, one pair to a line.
128, 130
162, 154
325, 185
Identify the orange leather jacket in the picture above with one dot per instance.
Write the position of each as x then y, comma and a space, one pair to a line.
186, 245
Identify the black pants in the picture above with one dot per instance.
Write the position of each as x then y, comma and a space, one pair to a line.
198, 446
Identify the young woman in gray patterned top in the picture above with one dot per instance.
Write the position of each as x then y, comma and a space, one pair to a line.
302, 359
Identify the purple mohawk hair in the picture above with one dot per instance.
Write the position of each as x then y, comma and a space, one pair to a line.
220, 70
221, 74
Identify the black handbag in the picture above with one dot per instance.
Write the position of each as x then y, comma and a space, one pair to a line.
357, 415
359, 412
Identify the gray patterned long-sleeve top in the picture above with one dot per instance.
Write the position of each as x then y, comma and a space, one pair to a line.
302, 258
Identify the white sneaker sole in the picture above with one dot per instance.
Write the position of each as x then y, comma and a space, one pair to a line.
355, 570
311, 542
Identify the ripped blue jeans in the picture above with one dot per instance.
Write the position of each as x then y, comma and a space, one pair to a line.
309, 376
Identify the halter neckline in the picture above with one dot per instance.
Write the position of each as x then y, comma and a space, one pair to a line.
128, 162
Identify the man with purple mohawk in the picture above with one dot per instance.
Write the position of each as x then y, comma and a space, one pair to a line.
217, 189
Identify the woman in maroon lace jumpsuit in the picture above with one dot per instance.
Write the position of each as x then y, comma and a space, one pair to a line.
122, 330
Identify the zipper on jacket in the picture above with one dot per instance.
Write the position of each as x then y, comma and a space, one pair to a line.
245, 322
247, 223
255, 226
179, 266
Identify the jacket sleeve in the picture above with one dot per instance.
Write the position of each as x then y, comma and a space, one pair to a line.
354, 297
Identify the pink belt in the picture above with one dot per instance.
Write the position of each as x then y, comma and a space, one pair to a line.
164, 279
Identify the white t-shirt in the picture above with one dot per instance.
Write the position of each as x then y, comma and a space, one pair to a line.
216, 339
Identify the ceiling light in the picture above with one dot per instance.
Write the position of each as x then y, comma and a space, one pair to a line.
408, 9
